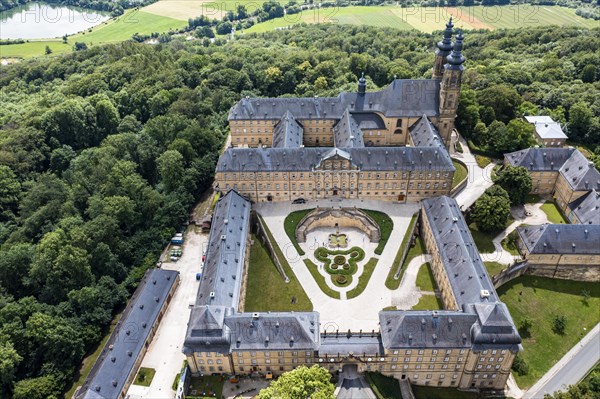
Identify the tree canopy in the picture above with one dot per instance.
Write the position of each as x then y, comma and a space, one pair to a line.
301, 383
492, 209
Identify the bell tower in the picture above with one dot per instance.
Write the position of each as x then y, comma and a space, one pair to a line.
450, 90
444, 48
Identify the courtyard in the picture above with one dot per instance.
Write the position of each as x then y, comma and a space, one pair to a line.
355, 303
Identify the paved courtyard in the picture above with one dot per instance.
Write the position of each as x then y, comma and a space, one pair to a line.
360, 312
164, 353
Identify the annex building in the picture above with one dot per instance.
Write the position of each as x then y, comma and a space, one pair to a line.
568, 251
386, 145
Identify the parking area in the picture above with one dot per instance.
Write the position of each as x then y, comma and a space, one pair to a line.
164, 354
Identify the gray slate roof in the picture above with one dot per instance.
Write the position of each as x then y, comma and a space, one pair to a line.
426, 329
274, 331
113, 367
402, 98
346, 133
460, 257
288, 133
540, 159
561, 238
587, 208
221, 277
358, 345
577, 170
495, 325
581, 173
546, 128
424, 134
305, 159
206, 329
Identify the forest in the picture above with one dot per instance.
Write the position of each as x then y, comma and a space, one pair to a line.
104, 151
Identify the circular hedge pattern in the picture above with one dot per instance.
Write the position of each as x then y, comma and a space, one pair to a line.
354, 254
334, 266
346, 266
339, 259
341, 279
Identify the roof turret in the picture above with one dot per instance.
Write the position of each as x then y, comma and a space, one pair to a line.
456, 58
445, 45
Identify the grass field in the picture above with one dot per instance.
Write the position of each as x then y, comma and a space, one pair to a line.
113, 30
320, 280
144, 376
363, 279
384, 387
429, 19
460, 174
428, 302
390, 282
425, 280
263, 273
540, 299
386, 225
290, 223
554, 214
494, 268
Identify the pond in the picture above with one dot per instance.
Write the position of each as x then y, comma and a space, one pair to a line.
44, 21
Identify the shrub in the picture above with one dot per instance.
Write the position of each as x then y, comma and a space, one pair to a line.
520, 366
341, 279
354, 254
346, 267
559, 324
334, 266
339, 259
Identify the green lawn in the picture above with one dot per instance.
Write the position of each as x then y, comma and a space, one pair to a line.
540, 299
263, 273
493, 268
416, 250
113, 30
483, 161
429, 302
144, 376
385, 226
554, 214
425, 279
483, 240
320, 280
290, 223
441, 393
390, 282
207, 386
460, 174
384, 387
363, 279
509, 243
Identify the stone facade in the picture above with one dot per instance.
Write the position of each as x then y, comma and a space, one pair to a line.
342, 217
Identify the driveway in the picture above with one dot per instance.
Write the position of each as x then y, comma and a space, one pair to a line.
353, 385
164, 354
479, 179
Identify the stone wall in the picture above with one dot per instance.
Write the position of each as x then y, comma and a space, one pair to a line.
343, 217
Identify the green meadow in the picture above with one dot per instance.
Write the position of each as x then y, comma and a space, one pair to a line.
114, 30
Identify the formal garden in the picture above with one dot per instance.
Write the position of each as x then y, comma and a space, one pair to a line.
341, 265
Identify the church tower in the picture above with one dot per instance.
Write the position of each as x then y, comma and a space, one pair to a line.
444, 48
450, 90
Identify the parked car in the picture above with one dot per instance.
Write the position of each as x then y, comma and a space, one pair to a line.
299, 201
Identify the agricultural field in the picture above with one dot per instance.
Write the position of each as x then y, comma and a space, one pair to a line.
113, 30
429, 19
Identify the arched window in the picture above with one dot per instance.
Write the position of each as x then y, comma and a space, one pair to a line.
398, 131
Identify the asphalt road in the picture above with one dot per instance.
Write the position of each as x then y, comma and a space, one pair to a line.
571, 368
